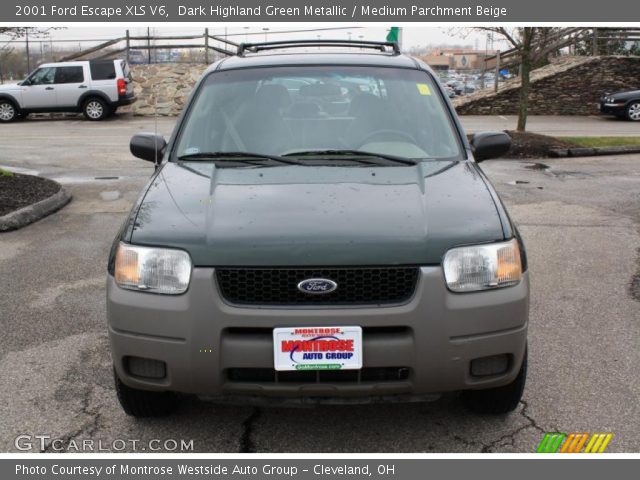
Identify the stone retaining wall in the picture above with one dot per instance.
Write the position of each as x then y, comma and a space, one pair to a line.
165, 86
570, 86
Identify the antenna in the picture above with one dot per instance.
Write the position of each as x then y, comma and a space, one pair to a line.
155, 119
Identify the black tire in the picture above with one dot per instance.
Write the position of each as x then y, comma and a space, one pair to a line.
498, 400
95, 109
8, 111
633, 111
144, 403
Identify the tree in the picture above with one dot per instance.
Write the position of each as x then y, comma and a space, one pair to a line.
532, 47
14, 33
8, 35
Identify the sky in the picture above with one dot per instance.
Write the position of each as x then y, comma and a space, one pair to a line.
412, 36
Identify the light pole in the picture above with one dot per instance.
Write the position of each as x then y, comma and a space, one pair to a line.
265, 29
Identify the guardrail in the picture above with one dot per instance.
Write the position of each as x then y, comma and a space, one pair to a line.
128, 44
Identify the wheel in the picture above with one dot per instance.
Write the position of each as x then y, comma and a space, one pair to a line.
633, 111
144, 403
8, 112
497, 400
95, 109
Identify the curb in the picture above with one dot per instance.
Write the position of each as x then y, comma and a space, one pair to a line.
34, 212
591, 152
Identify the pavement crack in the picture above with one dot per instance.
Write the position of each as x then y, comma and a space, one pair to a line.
246, 441
469, 443
88, 429
509, 438
634, 286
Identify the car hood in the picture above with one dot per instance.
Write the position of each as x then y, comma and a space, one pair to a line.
625, 94
9, 87
303, 215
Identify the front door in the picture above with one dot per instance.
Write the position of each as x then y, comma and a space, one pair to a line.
38, 91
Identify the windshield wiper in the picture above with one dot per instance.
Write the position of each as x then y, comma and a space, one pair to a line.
352, 153
237, 157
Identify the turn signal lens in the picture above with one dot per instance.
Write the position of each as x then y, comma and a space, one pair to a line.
483, 267
158, 270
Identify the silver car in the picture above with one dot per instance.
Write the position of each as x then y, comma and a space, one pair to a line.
94, 87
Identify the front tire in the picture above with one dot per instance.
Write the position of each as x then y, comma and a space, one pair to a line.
8, 111
95, 109
633, 111
498, 400
144, 403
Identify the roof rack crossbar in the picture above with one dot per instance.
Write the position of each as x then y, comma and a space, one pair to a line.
262, 46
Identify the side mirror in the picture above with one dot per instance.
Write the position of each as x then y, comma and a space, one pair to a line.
148, 146
487, 145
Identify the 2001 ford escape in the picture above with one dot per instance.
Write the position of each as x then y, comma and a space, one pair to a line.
318, 230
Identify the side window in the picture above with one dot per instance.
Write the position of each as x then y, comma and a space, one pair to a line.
69, 75
42, 76
102, 70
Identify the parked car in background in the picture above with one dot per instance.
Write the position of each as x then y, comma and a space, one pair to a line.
457, 86
625, 104
318, 230
94, 87
450, 91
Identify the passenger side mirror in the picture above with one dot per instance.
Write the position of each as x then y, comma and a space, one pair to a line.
487, 145
148, 146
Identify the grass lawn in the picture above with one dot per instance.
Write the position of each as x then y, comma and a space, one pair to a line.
603, 141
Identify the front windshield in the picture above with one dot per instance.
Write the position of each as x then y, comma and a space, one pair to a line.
289, 110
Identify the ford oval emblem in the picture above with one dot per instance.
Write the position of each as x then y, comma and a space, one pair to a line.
317, 286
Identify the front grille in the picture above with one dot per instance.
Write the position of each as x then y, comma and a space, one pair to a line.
269, 375
279, 286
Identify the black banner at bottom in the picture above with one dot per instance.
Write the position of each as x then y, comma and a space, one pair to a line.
548, 466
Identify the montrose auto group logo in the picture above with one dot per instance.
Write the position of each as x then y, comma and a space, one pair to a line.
321, 344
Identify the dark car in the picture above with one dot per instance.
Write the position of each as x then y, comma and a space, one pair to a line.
318, 230
624, 104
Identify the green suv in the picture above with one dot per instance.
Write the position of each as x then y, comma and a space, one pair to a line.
318, 230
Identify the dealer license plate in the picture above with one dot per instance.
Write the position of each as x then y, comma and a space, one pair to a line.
317, 348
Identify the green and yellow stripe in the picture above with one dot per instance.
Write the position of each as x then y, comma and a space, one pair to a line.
557, 442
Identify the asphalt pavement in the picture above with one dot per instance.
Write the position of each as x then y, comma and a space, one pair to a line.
579, 218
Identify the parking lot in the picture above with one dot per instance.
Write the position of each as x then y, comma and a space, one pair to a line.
580, 220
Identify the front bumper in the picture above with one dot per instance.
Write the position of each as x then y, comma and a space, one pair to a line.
612, 108
201, 339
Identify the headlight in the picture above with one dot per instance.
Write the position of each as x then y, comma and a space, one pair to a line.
482, 267
157, 270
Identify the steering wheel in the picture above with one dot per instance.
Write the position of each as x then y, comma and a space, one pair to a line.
396, 133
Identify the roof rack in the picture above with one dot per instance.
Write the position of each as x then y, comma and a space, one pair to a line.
383, 47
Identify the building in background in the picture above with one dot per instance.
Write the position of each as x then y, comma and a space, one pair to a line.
456, 59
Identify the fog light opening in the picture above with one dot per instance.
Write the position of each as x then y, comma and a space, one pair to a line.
145, 367
493, 365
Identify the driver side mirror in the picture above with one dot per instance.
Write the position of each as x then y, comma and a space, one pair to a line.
148, 146
487, 145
